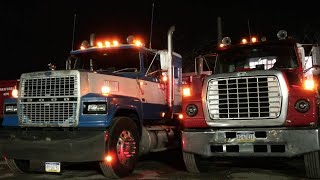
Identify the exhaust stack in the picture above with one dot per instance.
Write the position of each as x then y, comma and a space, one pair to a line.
171, 70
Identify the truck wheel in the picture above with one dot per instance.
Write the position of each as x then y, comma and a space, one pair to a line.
18, 166
312, 164
194, 163
123, 146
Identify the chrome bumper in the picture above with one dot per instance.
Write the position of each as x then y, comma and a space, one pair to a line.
263, 142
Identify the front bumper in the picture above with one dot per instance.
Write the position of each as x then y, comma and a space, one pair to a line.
55, 145
265, 142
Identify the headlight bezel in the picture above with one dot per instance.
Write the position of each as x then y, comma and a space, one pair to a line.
302, 105
10, 108
192, 110
95, 108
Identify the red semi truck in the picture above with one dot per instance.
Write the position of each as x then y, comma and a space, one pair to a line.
260, 100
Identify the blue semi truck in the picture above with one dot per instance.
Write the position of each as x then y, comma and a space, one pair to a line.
112, 103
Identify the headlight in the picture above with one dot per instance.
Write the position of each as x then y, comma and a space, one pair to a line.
95, 108
302, 105
191, 110
10, 109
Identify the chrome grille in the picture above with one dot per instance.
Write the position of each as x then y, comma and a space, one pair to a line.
49, 113
49, 86
49, 100
244, 97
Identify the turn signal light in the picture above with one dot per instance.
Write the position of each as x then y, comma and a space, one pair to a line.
309, 84
108, 158
186, 92
14, 93
105, 90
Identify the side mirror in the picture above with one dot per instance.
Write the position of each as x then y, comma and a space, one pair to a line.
315, 55
199, 65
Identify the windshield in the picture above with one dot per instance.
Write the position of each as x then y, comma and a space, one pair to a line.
256, 58
108, 60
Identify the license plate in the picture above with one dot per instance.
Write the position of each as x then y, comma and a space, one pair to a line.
246, 136
53, 167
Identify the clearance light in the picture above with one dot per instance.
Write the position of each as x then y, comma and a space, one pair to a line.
108, 158
105, 90
163, 114
138, 43
107, 43
186, 92
115, 43
309, 84
221, 45
180, 116
254, 39
164, 78
244, 41
100, 45
14, 93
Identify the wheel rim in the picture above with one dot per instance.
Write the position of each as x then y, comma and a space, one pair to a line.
126, 147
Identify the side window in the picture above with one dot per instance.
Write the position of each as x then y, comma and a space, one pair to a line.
152, 65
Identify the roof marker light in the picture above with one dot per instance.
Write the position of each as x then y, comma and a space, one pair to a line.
254, 39
107, 43
100, 45
115, 43
244, 41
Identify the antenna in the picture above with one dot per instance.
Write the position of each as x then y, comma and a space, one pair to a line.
151, 25
249, 30
219, 30
74, 29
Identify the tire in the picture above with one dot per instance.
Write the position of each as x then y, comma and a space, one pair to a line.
123, 146
194, 163
312, 165
18, 166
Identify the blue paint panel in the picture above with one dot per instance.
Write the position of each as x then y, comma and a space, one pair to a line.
11, 120
153, 111
114, 103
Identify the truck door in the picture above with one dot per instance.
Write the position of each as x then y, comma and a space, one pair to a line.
153, 93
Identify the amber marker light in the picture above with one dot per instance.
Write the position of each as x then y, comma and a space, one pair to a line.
138, 43
309, 84
14, 93
100, 45
254, 39
115, 43
244, 41
105, 90
107, 43
108, 158
186, 92
164, 78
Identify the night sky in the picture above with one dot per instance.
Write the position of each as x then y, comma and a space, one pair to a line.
35, 33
